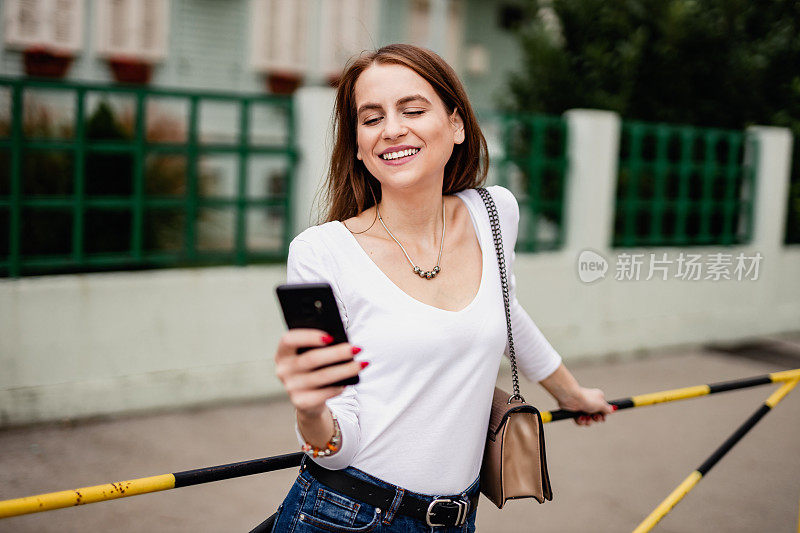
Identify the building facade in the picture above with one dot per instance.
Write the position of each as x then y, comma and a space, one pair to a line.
255, 45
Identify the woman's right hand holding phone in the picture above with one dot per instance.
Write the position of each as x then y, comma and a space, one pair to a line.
306, 376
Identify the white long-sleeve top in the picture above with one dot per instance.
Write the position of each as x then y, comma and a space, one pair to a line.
419, 415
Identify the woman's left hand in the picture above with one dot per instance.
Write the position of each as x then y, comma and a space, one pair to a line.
563, 386
588, 401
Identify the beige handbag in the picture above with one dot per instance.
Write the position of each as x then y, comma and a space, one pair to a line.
514, 463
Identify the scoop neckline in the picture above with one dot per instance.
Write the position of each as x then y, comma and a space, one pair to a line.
408, 297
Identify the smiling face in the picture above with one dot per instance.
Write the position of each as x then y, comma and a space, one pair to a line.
404, 133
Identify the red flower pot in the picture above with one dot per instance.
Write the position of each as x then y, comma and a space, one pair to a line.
41, 62
283, 82
130, 70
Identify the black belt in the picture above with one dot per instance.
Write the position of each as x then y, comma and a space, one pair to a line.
446, 511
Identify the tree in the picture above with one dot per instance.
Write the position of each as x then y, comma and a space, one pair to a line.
713, 63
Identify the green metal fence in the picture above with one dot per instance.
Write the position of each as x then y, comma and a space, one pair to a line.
680, 185
532, 163
96, 177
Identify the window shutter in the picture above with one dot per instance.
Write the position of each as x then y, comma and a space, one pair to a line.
289, 27
66, 24
24, 22
298, 36
328, 40
283, 25
349, 29
152, 30
112, 26
367, 13
54, 23
119, 26
132, 28
279, 35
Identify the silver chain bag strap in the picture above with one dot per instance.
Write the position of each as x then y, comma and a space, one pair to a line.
514, 462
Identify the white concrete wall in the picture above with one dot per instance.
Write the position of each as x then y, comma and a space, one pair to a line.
93, 344
81, 345
625, 317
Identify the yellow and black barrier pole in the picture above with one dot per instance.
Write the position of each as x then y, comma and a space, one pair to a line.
122, 489
689, 483
110, 491
685, 393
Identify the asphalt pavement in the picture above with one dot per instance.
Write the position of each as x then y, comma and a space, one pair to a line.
606, 478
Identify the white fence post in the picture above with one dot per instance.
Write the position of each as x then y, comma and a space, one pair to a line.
773, 159
313, 114
593, 151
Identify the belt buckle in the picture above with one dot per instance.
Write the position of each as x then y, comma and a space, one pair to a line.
463, 507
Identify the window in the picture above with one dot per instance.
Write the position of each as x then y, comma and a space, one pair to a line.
132, 28
56, 24
443, 32
350, 28
279, 35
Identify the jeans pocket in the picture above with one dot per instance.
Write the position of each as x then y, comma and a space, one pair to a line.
331, 506
333, 512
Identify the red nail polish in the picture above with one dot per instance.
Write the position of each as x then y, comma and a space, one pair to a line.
356, 349
615, 407
327, 339
364, 364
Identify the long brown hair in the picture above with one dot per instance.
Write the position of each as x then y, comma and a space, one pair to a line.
350, 188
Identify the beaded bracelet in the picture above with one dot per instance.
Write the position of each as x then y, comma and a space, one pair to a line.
333, 445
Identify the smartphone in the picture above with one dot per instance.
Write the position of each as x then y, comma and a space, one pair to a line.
312, 305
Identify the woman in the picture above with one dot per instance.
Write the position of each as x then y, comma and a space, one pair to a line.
420, 296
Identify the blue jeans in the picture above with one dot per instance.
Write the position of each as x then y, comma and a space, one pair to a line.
311, 507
